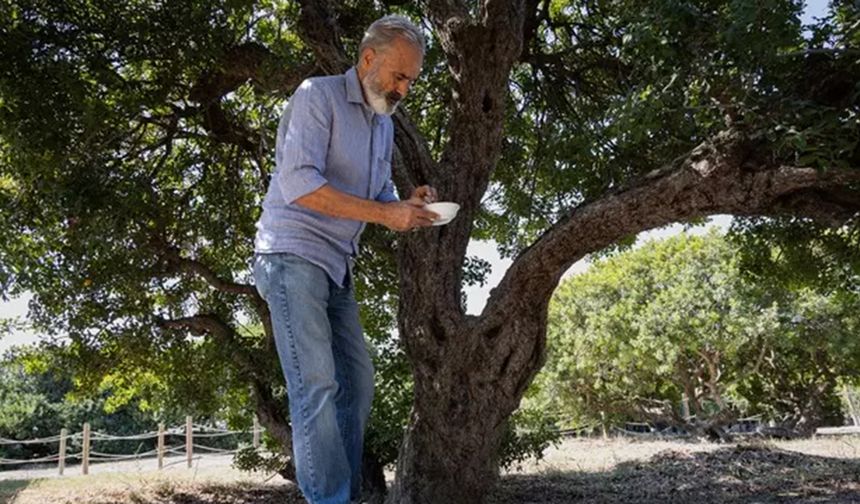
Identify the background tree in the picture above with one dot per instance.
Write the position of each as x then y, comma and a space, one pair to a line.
815, 271
34, 404
677, 321
136, 144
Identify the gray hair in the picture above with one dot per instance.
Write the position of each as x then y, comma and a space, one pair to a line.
383, 31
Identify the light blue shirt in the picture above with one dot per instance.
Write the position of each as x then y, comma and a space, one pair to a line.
326, 135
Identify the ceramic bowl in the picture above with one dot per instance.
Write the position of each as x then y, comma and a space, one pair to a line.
445, 209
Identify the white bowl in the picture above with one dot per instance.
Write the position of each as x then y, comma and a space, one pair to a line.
445, 209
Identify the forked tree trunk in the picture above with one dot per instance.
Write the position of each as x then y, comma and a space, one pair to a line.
470, 372
450, 452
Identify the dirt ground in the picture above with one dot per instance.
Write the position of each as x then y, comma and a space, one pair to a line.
822, 470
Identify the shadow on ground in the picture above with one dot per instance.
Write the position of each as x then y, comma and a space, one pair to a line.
9, 489
737, 474
199, 493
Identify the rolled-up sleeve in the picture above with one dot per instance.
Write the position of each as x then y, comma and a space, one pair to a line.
386, 195
305, 132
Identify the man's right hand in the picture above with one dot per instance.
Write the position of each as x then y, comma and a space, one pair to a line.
406, 216
398, 215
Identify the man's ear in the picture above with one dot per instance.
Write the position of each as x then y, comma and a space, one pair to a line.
367, 57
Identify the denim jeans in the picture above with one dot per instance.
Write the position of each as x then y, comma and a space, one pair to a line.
328, 371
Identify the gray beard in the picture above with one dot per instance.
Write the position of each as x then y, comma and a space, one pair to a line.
376, 98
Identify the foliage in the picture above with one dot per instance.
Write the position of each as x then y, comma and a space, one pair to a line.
529, 433
267, 459
34, 404
618, 89
794, 254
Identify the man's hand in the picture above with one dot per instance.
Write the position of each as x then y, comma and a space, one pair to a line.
422, 195
407, 215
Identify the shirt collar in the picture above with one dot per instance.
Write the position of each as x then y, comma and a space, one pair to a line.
353, 87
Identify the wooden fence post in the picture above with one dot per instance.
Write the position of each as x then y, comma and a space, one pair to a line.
603, 427
852, 411
62, 460
85, 459
256, 432
160, 445
685, 407
189, 439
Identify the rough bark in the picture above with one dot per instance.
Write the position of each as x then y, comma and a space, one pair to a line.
450, 448
729, 175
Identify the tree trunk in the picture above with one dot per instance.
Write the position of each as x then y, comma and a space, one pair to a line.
470, 373
273, 417
852, 411
462, 402
451, 462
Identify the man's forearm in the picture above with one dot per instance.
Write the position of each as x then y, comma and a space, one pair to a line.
334, 203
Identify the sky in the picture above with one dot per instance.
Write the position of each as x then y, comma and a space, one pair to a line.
476, 296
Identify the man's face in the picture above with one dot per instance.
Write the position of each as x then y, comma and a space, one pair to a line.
389, 73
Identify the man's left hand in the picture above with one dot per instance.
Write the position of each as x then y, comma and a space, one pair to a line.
423, 195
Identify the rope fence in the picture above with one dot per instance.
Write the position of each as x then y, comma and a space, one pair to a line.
190, 432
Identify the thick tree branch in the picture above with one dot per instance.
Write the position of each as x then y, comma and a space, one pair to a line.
443, 11
448, 16
536, 11
250, 61
226, 130
413, 164
503, 18
727, 175
212, 278
202, 324
195, 267
177, 263
319, 30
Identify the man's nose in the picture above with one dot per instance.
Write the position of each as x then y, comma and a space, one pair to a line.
403, 87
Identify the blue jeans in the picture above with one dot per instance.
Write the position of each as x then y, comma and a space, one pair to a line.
328, 371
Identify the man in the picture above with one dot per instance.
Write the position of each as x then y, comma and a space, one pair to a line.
333, 175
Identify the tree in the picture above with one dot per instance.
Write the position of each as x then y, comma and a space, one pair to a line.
136, 148
645, 331
34, 404
814, 272
678, 321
